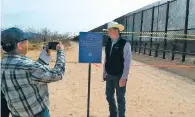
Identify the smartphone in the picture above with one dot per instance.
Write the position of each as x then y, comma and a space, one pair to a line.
52, 45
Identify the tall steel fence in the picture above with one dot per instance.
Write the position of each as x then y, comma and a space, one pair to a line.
167, 22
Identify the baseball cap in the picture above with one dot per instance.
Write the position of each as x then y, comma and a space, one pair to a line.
10, 37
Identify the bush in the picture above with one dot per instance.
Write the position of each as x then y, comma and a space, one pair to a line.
37, 46
34, 46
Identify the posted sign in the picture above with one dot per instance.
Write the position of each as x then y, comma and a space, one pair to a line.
90, 47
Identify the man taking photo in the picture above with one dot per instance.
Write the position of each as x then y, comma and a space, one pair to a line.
24, 81
116, 69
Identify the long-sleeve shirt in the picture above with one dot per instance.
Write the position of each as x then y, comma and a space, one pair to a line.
127, 55
24, 82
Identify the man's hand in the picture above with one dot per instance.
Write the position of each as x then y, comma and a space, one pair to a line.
122, 82
104, 77
60, 46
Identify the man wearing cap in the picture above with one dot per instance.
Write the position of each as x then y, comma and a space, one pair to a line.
24, 81
116, 69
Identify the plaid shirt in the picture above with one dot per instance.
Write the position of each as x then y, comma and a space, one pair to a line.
24, 82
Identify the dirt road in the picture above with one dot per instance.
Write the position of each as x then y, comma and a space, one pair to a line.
151, 92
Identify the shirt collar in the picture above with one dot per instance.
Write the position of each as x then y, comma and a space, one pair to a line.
12, 55
114, 41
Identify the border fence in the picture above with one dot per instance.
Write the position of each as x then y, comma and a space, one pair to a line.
161, 19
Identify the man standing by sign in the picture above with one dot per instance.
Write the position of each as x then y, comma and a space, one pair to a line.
116, 69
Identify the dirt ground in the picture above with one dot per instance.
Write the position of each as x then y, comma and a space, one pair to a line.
151, 92
178, 67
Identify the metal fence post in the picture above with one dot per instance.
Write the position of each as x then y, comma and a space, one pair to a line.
156, 49
140, 39
173, 52
186, 30
145, 44
166, 26
131, 45
152, 25
126, 24
133, 31
135, 46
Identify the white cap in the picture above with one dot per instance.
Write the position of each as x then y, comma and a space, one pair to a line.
115, 25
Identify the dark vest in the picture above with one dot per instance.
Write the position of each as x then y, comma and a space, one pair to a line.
115, 62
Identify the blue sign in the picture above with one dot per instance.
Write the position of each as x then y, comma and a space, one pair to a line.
90, 47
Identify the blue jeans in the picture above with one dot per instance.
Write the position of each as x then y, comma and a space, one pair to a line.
44, 113
112, 84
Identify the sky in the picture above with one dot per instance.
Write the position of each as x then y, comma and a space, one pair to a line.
65, 15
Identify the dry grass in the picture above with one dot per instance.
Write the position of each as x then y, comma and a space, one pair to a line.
34, 46
37, 46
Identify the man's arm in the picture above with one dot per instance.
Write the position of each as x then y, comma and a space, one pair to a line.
127, 60
44, 57
42, 72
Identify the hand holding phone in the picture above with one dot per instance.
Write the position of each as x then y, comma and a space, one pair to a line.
60, 46
55, 46
52, 45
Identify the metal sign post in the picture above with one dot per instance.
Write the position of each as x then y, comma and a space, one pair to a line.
89, 87
90, 51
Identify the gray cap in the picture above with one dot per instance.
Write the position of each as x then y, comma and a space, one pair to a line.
10, 37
